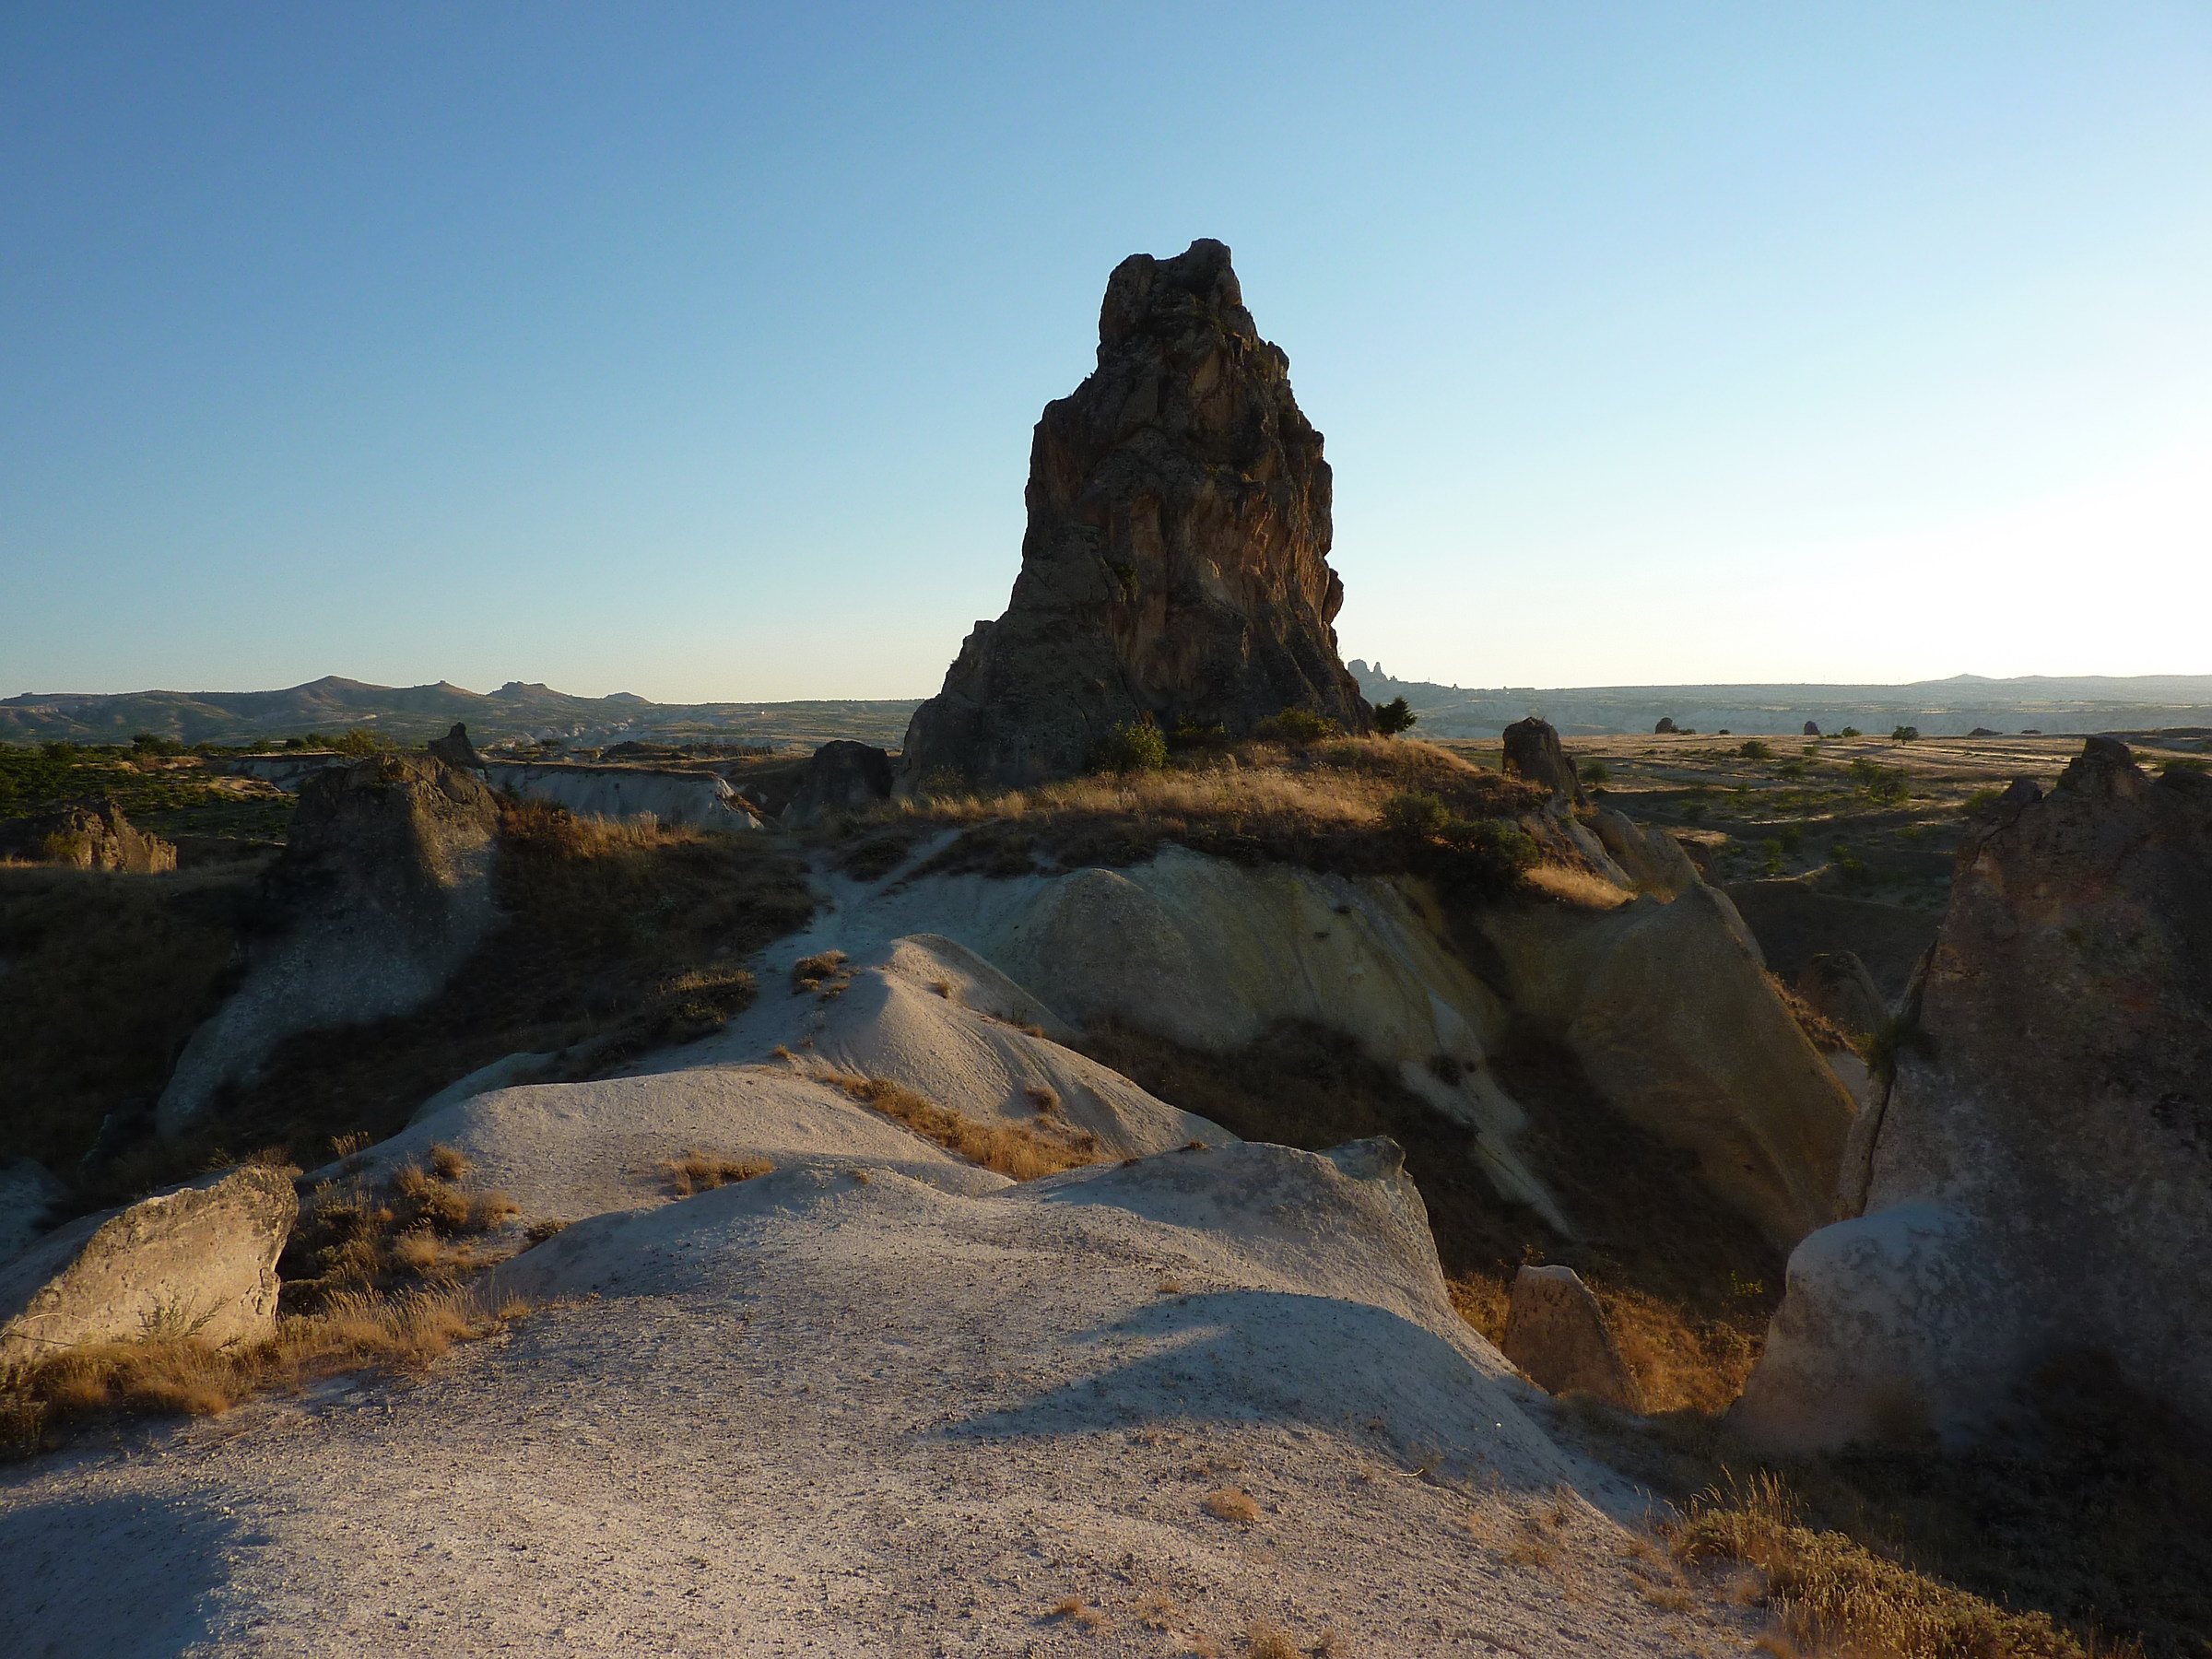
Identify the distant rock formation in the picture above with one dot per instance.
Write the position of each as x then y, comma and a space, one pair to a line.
1812, 728
383, 889
455, 749
1532, 750
2038, 1182
1176, 560
89, 836
1666, 723
842, 776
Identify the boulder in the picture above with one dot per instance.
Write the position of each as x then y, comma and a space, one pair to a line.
1812, 728
2037, 1182
1666, 723
1532, 750
29, 1194
1836, 986
88, 835
455, 749
842, 776
1176, 559
1653, 860
1557, 1334
383, 889
199, 1260
1668, 1009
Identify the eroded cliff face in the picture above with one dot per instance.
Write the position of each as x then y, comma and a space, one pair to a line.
2038, 1182
1176, 559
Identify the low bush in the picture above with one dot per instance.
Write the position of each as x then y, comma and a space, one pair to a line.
698, 1171
1394, 717
1755, 751
1297, 726
1135, 746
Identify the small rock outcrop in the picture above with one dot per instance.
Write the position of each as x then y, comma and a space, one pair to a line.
2037, 1182
1651, 858
199, 1260
455, 749
1557, 1334
842, 776
383, 890
1812, 728
1666, 723
87, 836
1176, 560
1837, 986
1532, 751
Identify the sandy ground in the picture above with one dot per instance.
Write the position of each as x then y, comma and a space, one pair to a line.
828, 1415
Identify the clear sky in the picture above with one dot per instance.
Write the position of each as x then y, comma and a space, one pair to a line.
693, 350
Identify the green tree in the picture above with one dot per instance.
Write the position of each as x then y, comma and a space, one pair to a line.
1904, 734
1394, 716
1135, 746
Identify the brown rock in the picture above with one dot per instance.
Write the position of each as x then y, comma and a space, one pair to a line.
455, 749
1666, 723
1532, 750
1557, 1334
2038, 1181
1812, 728
91, 836
842, 776
1839, 988
1176, 559
199, 1260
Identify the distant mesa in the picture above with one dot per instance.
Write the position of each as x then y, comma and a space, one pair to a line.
1175, 568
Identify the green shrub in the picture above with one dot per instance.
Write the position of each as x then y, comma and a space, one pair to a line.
1755, 751
1594, 773
1851, 732
1135, 746
1792, 770
1300, 725
2184, 763
1771, 850
1189, 735
1394, 716
1904, 734
58, 751
361, 742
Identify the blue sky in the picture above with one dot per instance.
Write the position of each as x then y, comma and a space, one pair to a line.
693, 350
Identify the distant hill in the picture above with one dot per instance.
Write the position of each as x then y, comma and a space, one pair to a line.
1939, 707
410, 714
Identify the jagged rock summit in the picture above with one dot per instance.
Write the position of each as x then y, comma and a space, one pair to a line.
1176, 559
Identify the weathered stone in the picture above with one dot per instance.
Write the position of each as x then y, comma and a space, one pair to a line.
1176, 559
28, 1194
1838, 987
199, 1260
2038, 1180
1652, 859
842, 776
1812, 728
92, 835
1532, 750
1666, 723
1557, 1334
383, 889
1668, 1009
455, 749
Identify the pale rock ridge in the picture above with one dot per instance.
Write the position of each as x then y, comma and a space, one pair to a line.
198, 1260
90, 836
383, 890
1175, 565
2038, 1181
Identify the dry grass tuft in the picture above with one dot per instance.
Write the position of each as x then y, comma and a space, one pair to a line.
698, 1171
184, 1375
1229, 1504
812, 972
1833, 1595
417, 1228
1263, 1639
1012, 1149
1585, 890
1046, 1100
1075, 1610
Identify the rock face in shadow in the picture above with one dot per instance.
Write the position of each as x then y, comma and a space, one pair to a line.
383, 890
2038, 1182
842, 776
1176, 559
1668, 1009
1532, 750
1557, 1334
198, 1261
90, 836
1835, 984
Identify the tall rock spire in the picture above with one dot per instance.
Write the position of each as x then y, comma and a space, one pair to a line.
1176, 559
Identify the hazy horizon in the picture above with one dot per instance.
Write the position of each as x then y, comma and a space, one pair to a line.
694, 352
